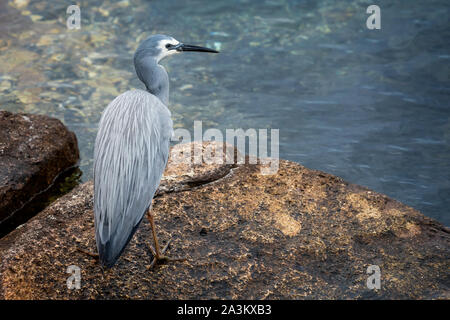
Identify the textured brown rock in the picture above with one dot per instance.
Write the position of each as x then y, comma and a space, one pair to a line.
34, 149
298, 234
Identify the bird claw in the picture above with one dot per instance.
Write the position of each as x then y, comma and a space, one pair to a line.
162, 258
92, 255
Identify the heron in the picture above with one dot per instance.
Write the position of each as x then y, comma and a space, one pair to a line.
131, 152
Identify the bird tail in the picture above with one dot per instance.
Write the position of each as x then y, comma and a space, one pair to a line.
108, 254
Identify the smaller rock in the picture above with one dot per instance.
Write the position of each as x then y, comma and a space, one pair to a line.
34, 150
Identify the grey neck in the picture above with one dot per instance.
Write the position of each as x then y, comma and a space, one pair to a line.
154, 76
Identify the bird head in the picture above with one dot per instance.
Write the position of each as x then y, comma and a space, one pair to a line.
161, 46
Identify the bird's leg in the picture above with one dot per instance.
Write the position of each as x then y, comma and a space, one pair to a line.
151, 249
158, 255
156, 252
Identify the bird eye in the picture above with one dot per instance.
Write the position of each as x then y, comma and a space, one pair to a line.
168, 45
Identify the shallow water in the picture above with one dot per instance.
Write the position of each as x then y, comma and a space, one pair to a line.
370, 106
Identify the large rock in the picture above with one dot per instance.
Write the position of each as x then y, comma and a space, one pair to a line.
297, 234
34, 149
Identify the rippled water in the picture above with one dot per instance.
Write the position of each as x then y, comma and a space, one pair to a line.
370, 106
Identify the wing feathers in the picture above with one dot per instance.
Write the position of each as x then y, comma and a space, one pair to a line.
131, 152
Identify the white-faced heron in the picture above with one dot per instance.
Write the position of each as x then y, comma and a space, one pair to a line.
131, 151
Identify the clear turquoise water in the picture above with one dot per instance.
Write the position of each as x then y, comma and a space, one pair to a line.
370, 106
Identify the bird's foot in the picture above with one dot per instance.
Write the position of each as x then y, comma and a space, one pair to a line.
92, 255
161, 257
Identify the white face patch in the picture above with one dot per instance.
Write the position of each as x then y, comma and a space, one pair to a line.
164, 52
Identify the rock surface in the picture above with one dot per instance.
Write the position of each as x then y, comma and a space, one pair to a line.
34, 149
298, 234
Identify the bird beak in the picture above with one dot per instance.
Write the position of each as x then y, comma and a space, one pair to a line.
188, 47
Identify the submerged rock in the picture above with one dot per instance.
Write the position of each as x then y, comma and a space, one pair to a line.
297, 234
34, 150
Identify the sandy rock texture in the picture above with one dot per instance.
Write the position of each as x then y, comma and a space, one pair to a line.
34, 150
297, 234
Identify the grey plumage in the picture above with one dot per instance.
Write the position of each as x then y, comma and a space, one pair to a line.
131, 150
153, 75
